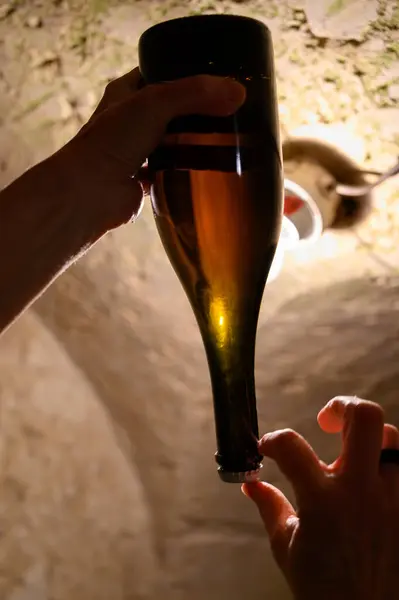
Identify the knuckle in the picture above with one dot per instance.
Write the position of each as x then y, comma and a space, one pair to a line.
158, 105
368, 411
197, 85
286, 437
335, 405
278, 442
163, 99
155, 95
200, 83
110, 85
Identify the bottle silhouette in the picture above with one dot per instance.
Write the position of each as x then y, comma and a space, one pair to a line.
217, 197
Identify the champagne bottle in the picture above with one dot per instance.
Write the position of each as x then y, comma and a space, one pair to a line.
217, 199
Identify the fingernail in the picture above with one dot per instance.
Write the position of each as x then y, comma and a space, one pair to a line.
331, 404
227, 89
244, 491
254, 492
235, 93
343, 400
263, 440
250, 490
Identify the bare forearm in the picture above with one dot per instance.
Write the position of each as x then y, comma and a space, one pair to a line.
44, 226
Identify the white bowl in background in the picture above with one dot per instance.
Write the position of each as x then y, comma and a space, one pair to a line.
304, 226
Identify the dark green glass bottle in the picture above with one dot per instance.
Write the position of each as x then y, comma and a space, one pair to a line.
217, 197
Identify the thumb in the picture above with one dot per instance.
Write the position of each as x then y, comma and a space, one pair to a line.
202, 94
130, 130
278, 516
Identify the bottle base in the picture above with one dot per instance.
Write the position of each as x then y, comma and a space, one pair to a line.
241, 476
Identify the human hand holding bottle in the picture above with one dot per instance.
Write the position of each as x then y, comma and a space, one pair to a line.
342, 541
59, 208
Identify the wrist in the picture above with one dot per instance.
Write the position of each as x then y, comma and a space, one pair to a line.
59, 180
104, 194
44, 227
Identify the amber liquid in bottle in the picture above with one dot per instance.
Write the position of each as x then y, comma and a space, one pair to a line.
218, 227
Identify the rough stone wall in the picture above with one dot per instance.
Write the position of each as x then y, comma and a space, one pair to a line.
107, 479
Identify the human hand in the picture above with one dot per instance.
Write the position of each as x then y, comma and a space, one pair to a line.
342, 542
100, 163
59, 208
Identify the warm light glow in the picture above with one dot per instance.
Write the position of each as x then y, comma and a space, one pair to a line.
219, 320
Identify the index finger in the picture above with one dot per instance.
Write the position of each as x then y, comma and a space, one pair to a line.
130, 130
296, 459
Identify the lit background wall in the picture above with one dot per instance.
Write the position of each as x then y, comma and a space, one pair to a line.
108, 484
